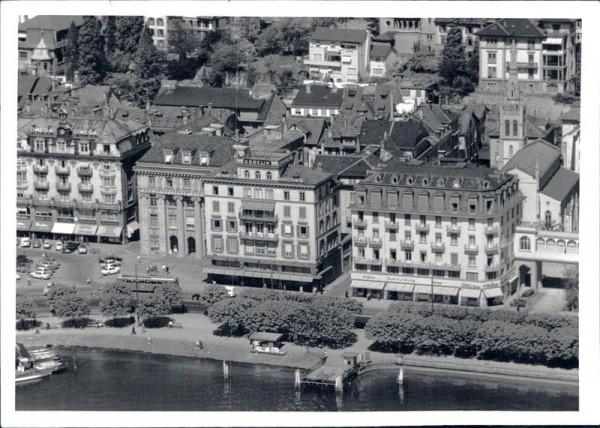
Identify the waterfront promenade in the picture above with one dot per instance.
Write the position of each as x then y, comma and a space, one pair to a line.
197, 327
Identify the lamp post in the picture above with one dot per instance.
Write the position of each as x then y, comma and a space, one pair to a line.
137, 295
432, 291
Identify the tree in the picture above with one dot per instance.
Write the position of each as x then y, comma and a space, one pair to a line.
128, 31
224, 61
285, 80
171, 293
116, 301
181, 41
373, 25
65, 303
453, 66
422, 62
92, 61
212, 294
577, 76
25, 311
285, 37
246, 27
473, 65
152, 307
572, 288
110, 34
72, 51
149, 67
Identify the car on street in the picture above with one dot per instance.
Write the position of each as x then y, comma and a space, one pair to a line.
25, 242
69, 247
40, 275
58, 246
113, 259
49, 264
47, 245
82, 249
36, 243
23, 259
111, 270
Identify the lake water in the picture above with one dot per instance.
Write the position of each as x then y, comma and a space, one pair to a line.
113, 380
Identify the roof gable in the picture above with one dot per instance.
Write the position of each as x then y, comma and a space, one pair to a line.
339, 35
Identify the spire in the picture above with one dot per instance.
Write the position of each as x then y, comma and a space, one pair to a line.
513, 77
41, 53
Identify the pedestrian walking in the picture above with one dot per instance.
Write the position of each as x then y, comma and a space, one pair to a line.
167, 268
133, 330
87, 281
37, 331
346, 294
28, 281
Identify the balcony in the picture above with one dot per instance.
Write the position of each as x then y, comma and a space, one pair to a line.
84, 171
438, 247
41, 185
375, 242
360, 223
85, 187
40, 168
453, 229
108, 172
451, 267
360, 241
264, 216
64, 170
23, 185
271, 237
527, 65
407, 245
422, 227
491, 249
491, 230
393, 262
414, 264
492, 268
108, 190
63, 187
471, 249
391, 226
322, 63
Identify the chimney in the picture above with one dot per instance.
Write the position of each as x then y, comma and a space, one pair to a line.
28, 105
385, 135
201, 108
106, 98
392, 106
209, 107
308, 89
283, 122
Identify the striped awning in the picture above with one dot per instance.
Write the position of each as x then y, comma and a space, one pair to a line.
403, 288
258, 206
66, 228
490, 293
470, 292
423, 289
371, 285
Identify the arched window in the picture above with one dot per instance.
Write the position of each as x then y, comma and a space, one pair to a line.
257, 175
246, 174
548, 219
269, 176
511, 150
525, 243
515, 128
541, 245
160, 22
507, 127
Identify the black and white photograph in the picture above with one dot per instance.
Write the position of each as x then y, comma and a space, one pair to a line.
371, 209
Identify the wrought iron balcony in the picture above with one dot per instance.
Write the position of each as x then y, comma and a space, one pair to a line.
85, 187
422, 227
375, 242
491, 249
84, 171
271, 237
438, 247
265, 216
63, 187
407, 245
453, 229
40, 168
41, 185
391, 225
471, 249
491, 230
361, 224
360, 241
64, 170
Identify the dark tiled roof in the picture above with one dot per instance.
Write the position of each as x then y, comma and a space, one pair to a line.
406, 134
385, 37
220, 149
380, 51
462, 21
35, 36
561, 184
513, 27
319, 96
51, 22
573, 115
335, 164
312, 127
105, 129
339, 35
539, 153
372, 131
219, 98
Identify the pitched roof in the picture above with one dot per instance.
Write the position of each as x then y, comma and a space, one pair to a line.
380, 51
561, 184
537, 153
35, 36
405, 135
312, 127
512, 27
373, 131
51, 22
573, 115
190, 96
339, 35
462, 21
220, 149
297, 172
319, 96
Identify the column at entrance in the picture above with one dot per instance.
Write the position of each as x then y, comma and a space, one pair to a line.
163, 238
199, 227
182, 250
144, 224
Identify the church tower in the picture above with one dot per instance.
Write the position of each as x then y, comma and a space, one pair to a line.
512, 117
41, 60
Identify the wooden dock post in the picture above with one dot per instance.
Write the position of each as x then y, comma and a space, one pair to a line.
401, 376
225, 369
297, 379
339, 384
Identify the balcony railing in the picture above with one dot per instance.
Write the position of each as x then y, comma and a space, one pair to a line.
85, 187
491, 249
272, 237
375, 242
527, 65
407, 245
41, 185
108, 172
65, 170
360, 223
414, 264
84, 170
322, 63
391, 225
491, 268
63, 187
40, 168
491, 230
438, 247
453, 229
253, 216
420, 227
109, 190
360, 241
22, 185
471, 249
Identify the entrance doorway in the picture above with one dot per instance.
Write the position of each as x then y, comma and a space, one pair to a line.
524, 276
173, 242
191, 245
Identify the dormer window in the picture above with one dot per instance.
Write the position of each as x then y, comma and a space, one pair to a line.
168, 156
186, 157
257, 175
269, 176
246, 174
410, 180
203, 158
395, 179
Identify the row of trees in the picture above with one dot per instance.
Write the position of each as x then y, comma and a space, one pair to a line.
546, 339
302, 318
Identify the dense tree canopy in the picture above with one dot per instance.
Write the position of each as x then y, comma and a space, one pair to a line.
149, 68
457, 78
92, 60
116, 301
110, 34
25, 311
182, 41
128, 31
72, 51
65, 303
154, 306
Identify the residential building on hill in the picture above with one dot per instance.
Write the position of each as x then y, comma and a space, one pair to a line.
75, 177
42, 44
381, 60
170, 191
339, 55
317, 101
409, 34
270, 223
423, 233
468, 28
159, 30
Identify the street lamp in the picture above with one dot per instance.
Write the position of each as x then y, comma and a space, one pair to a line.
432, 291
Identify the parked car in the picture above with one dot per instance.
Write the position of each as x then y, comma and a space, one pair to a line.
25, 242
69, 247
36, 243
58, 246
47, 245
40, 275
48, 264
111, 258
82, 249
111, 270
23, 259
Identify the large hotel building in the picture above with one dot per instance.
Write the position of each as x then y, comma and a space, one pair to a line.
271, 223
423, 232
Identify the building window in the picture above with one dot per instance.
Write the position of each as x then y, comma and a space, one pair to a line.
302, 211
230, 191
106, 149
246, 174
515, 128
302, 196
286, 195
407, 219
422, 237
287, 230
472, 261
288, 250
257, 175
471, 224
375, 217
247, 192
186, 183
231, 226
438, 221
453, 239
172, 220
303, 251
84, 147
215, 190
472, 276
160, 22
269, 194
216, 206
217, 244
525, 243
287, 211
507, 128
269, 176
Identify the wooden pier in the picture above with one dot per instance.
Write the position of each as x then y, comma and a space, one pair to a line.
327, 376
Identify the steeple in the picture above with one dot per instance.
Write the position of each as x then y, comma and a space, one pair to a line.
41, 58
513, 76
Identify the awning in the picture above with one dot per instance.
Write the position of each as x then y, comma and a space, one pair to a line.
42, 226
109, 231
215, 270
445, 291
371, 285
490, 293
423, 289
403, 288
23, 224
258, 206
66, 228
132, 227
514, 278
85, 229
470, 292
